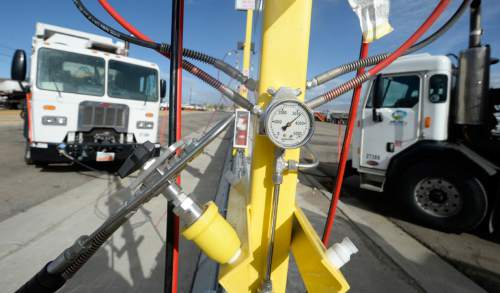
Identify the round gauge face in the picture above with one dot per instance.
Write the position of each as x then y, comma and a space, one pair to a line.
289, 124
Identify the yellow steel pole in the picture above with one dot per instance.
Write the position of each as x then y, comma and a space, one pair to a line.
285, 45
247, 50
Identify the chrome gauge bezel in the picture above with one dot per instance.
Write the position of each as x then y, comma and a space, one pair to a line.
267, 123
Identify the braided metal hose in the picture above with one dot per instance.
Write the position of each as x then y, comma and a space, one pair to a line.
163, 48
213, 82
372, 60
346, 68
217, 63
342, 89
96, 242
166, 48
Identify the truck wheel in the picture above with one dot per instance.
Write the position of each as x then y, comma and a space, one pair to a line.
443, 197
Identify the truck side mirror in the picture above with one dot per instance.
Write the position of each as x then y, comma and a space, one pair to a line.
378, 93
18, 67
163, 88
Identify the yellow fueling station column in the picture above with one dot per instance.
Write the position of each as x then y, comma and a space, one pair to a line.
285, 45
284, 56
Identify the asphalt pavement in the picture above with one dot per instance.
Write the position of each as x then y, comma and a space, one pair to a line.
22, 186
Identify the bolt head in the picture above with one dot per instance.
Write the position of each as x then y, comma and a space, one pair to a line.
271, 91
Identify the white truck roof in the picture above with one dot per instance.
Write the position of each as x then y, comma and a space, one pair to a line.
73, 38
419, 62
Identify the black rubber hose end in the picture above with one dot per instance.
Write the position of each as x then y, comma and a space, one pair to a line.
43, 282
251, 84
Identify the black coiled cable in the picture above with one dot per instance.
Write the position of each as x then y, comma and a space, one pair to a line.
163, 48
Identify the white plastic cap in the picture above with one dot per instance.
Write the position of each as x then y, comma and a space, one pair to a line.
340, 253
235, 257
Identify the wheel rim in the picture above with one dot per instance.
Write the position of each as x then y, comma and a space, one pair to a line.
438, 197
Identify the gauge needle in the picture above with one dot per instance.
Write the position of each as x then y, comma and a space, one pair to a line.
290, 123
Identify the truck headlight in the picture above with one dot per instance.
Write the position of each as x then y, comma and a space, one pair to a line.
54, 120
145, 125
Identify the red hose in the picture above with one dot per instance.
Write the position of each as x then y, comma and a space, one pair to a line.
126, 25
186, 65
345, 150
420, 31
175, 256
356, 81
354, 105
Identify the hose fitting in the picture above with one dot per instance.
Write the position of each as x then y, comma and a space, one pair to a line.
205, 226
249, 83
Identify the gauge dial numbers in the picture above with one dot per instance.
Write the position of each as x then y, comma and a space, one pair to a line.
289, 124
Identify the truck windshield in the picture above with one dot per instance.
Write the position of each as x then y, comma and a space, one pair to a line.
398, 92
129, 81
68, 72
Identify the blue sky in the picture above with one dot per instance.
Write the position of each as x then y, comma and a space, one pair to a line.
214, 27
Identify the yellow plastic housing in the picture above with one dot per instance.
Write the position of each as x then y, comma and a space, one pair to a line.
214, 235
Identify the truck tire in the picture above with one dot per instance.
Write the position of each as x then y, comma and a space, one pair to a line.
443, 196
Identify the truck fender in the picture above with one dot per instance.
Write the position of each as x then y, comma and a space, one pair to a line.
440, 150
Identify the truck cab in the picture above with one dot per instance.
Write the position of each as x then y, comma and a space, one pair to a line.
414, 106
88, 101
411, 141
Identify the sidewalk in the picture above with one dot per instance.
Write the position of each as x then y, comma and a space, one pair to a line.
131, 261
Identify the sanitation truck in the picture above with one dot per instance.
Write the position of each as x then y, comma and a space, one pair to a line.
429, 132
86, 99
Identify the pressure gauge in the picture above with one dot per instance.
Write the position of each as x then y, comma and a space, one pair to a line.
289, 123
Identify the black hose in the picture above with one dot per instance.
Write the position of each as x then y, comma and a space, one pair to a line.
43, 282
372, 60
117, 34
165, 48
443, 29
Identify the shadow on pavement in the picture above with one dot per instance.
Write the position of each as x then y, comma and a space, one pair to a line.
385, 205
100, 273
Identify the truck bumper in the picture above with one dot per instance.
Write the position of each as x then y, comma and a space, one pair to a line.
85, 152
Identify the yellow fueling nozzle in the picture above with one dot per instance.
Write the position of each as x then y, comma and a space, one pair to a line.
214, 236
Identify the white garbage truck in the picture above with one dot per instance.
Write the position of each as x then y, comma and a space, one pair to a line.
429, 132
86, 99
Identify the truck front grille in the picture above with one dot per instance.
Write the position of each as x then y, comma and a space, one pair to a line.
102, 115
